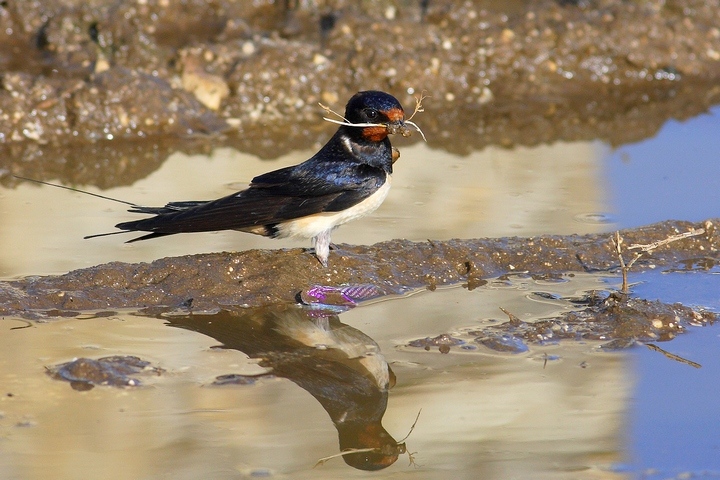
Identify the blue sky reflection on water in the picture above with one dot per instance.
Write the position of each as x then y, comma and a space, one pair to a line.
674, 421
675, 428
674, 175
674, 424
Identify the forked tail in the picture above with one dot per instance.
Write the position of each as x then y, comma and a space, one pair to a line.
135, 207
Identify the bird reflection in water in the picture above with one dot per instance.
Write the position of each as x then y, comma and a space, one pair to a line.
337, 364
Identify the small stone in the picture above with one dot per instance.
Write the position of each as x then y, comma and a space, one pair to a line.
319, 59
507, 35
209, 89
248, 48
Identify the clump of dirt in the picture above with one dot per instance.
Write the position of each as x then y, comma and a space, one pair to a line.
617, 319
443, 342
86, 373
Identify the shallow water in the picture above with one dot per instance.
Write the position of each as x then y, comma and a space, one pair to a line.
496, 192
673, 424
674, 175
503, 414
564, 410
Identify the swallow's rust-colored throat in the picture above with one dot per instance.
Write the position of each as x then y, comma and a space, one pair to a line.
379, 132
396, 117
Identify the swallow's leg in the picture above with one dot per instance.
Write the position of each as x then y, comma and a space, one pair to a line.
323, 323
322, 247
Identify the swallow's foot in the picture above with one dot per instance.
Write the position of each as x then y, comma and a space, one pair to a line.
322, 247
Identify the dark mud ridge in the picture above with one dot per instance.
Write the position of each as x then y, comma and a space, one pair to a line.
210, 282
616, 319
101, 92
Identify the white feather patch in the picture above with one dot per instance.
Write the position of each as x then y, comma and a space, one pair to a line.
313, 225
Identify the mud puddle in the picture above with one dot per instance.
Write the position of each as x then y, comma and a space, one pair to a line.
218, 399
527, 393
96, 103
662, 444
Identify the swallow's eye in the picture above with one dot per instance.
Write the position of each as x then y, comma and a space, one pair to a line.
371, 113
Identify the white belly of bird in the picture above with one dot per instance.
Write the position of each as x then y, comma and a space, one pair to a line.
313, 225
353, 343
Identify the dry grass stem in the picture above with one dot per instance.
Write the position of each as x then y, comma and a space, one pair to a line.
672, 356
417, 128
418, 105
643, 249
404, 132
652, 246
412, 427
323, 460
400, 448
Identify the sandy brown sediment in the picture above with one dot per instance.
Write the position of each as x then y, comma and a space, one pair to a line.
100, 92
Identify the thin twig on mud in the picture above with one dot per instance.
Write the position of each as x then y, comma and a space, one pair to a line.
672, 356
643, 249
514, 320
651, 246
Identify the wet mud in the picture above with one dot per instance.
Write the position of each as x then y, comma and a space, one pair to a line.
210, 282
616, 319
85, 373
100, 93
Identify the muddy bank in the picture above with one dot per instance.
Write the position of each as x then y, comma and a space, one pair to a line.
209, 282
100, 93
616, 319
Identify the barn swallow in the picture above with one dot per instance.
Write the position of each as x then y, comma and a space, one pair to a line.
347, 179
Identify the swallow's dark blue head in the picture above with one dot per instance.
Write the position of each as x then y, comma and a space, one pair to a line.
379, 108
